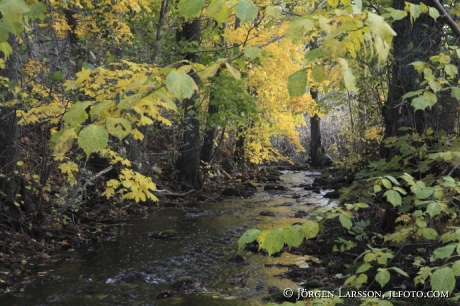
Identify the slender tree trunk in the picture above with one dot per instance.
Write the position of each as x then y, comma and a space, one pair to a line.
11, 184
188, 162
156, 45
207, 151
239, 147
316, 144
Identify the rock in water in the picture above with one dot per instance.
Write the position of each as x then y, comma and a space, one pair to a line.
326, 161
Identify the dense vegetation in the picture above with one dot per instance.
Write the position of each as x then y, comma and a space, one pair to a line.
102, 101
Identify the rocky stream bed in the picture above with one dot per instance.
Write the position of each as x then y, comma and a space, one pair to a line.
188, 255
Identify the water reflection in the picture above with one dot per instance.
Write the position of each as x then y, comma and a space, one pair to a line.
134, 269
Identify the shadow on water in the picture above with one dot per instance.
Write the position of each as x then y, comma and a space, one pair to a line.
136, 269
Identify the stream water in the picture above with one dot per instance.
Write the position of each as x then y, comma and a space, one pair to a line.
135, 269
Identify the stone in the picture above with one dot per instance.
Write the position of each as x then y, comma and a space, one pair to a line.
274, 187
185, 283
232, 192
332, 194
267, 213
325, 161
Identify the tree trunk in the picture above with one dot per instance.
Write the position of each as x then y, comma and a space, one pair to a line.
188, 162
11, 184
207, 150
414, 42
316, 144
239, 147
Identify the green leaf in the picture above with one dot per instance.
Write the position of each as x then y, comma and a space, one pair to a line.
397, 14
392, 179
191, 8
345, 221
361, 279
430, 97
451, 70
387, 183
314, 54
6, 49
424, 193
234, 72
310, 229
433, 12
293, 235
4, 32
400, 190
411, 94
249, 236
349, 79
273, 11
77, 113
456, 268
443, 280
299, 27
99, 108
419, 103
118, 127
57, 76
297, 83
318, 73
219, 10
382, 277
246, 11
421, 223
455, 92
38, 10
252, 52
13, 7
435, 208
273, 242
358, 5
429, 233
398, 270
130, 101
209, 72
393, 197
333, 3
181, 86
363, 268
444, 252
62, 141
414, 11
93, 138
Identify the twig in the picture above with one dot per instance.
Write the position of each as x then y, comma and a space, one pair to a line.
75, 192
167, 193
453, 169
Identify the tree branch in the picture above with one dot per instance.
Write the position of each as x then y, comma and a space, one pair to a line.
449, 21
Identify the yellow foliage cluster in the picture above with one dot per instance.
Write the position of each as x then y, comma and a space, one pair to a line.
126, 82
95, 17
281, 114
133, 185
42, 104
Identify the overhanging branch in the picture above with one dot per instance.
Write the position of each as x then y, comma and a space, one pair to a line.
449, 21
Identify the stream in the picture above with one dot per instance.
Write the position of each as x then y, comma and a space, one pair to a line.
134, 269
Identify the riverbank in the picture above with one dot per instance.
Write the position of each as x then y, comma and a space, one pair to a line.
52, 240
205, 221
